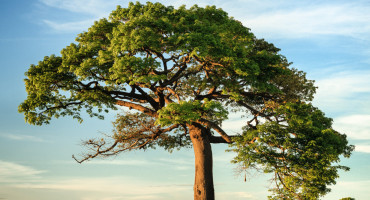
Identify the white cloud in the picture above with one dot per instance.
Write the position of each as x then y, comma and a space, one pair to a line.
62, 27
344, 92
354, 126
346, 83
109, 187
235, 122
307, 20
22, 178
236, 195
363, 148
266, 18
12, 172
178, 164
244, 194
137, 197
120, 162
158, 161
173, 163
234, 126
97, 8
358, 189
71, 20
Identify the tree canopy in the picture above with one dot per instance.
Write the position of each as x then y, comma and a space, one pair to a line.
178, 68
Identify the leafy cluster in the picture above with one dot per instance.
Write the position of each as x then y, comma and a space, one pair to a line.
187, 112
152, 54
299, 148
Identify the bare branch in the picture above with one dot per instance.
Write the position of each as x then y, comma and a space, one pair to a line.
140, 141
98, 152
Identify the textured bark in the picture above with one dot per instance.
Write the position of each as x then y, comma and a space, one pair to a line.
203, 184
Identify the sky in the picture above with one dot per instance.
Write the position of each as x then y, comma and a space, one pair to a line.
330, 40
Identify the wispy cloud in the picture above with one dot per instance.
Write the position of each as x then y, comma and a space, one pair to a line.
344, 92
130, 162
91, 10
348, 19
355, 126
178, 164
21, 178
237, 195
357, 189
174, 163
157, 161
22, 137
11, 172
267, 18
138, 197
96, 8
108, 188
78, 15
63, 27
177, 161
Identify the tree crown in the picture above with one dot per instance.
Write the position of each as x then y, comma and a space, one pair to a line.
177, 67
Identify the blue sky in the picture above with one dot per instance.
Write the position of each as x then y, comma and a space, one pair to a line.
330, 40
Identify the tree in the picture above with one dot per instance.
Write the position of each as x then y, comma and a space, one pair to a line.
180, 72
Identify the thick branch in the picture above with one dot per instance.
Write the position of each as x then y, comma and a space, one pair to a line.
152, 102
218, 129
137, 107
212, 94
177, 75
142, 97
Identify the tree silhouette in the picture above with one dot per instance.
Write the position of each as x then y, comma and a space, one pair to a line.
180, 72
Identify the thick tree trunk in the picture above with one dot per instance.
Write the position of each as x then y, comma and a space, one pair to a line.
203, 184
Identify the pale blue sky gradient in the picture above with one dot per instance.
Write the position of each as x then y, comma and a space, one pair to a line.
330, 40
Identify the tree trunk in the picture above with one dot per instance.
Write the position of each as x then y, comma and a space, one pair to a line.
203, 184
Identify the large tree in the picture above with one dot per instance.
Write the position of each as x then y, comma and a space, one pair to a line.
180, 72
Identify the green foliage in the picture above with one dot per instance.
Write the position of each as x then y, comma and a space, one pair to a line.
347, 198
299, 149
182, 66
186, 112
206, 47
53, 93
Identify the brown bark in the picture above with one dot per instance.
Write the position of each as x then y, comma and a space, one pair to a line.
137, 107
203, 184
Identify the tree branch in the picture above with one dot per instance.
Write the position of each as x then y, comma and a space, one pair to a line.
152, 102
143, 109
98, 152
64, 106
218, 129
133, 145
